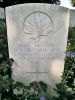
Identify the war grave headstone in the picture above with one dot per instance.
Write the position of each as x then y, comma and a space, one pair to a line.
37, 39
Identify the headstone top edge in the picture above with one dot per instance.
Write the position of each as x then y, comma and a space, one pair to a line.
1, 8
70, 7
24, 4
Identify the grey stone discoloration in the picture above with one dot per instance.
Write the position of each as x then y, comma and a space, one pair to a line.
37, 38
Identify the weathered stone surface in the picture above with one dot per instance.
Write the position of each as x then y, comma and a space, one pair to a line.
37, 38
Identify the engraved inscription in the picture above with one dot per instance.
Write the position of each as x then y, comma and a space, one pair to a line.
38, 24
37, 72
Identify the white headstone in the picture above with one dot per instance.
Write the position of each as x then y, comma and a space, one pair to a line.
37, 38
72, 18
2, 14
